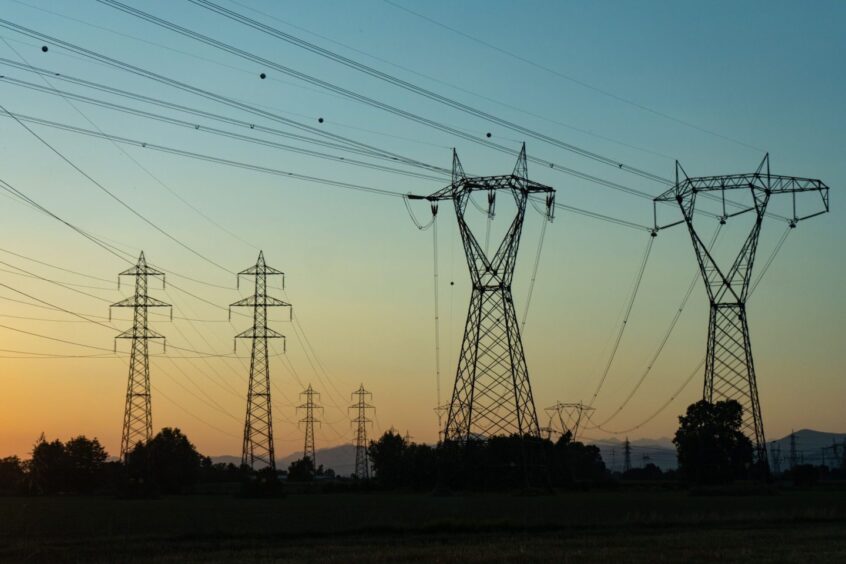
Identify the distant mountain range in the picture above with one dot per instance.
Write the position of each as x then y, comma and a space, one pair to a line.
661, 452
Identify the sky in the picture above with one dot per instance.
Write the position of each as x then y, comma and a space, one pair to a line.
643, 84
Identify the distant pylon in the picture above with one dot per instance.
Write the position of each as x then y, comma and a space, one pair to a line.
362, 466
570, 417
138, 414
309, 406
729, 369
794, 456
492, 394
258, 426
627, 455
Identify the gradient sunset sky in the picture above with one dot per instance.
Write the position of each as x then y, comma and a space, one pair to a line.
715, 85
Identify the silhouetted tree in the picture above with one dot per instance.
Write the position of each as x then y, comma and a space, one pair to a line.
302, 470
710, 446
168, 462
11, 475
387, 456
85, 463
648, 472
573, 461
48, 468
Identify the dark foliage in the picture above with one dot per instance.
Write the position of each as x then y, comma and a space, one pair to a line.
11, 475
710, 446
650, 472
496, 464
73, 467
168, 463
301, 470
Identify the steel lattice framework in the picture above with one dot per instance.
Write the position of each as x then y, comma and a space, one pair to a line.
361, 421
309, 420
570, 417
258, 426
138, 414
492, 393
729, 368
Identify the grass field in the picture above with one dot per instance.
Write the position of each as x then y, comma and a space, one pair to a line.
592, 526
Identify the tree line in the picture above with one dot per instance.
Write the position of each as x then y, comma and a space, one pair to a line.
710, 445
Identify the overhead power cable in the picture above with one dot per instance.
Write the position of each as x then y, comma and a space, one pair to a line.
664, 340
699, 366
203, 93
629, 306
211, 130
370, 71
573, 79
114, 196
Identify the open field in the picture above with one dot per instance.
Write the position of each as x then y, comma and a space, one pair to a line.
594, 526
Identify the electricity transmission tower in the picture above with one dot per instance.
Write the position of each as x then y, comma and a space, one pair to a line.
627, 455
570, 416
794, 455
137, 414
258, 427
362, 467
729, 370
309, 406
492, 394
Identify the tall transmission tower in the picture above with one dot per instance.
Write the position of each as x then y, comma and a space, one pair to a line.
729, 369
492, 393
258, 426
570, 416
362, 466
309, 420
627, 455
137, 413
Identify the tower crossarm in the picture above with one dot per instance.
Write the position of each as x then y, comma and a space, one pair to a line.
140, 301
260, 301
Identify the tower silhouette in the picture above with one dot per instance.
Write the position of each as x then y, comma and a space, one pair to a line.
138, 413
309, 420
570, 417
492, 393
362, 466
627, 455
258, 426
729, 369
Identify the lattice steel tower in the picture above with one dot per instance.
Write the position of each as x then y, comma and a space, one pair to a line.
570, 417
492, 394
137, 414
361, 421
309, 420
258, 427
729, 370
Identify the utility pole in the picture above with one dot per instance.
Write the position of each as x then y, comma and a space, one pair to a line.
729, 369
362, 466
794, 458
570, 416
309, 406
138, 413
258, 426
627, 455
492, 394
775, 456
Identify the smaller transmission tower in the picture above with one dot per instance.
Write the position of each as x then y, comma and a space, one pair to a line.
309, 407
362, 467
258, 427
794, 455
138, 414
775, 457
570, 417
627, 455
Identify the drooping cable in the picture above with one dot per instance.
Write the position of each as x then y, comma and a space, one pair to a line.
623, 325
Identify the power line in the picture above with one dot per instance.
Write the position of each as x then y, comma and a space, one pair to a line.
571, 79
350, 63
